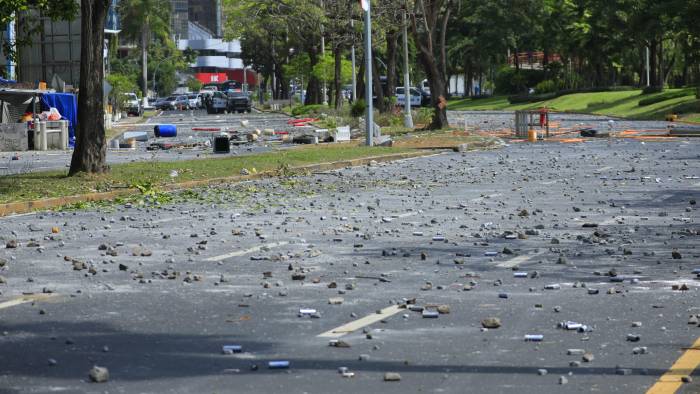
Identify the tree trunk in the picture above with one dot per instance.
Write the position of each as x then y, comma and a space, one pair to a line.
652, 63
438, 91
144, 61
336, 77
90, 148
361, 79
427, 41
468, 73
313, 91
378, 89
659, 81
391, 58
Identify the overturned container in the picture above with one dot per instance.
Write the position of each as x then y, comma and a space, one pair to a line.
165, 131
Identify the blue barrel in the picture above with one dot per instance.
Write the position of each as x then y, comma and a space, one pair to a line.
165, 131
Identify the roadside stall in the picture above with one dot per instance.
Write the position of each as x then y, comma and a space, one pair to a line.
32, 119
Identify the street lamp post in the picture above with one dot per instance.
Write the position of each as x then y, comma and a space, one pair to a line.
368, 83
323, 56
407, 119
354, 73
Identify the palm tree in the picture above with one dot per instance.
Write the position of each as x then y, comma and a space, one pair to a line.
142, 20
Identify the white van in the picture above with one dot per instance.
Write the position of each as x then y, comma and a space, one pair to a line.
401, 97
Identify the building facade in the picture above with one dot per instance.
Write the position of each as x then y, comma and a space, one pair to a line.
179, 16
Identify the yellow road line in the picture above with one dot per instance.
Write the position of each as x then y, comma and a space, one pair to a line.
671, 381
26, 299
360, 323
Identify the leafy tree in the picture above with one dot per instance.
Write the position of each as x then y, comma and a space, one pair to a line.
143, 21
121, 84
28, 10
429, 25
194, 84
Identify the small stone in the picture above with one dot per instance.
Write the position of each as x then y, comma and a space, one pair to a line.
640, 350
491, 322
443, 309
693, 319
52, 362
392, 377
11, 244
563, 380
335, 300
99, 374
633, 338
686, 379
676, 255
542, 371
2, 280
588, 357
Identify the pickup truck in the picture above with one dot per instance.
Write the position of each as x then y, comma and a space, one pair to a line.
239, 102
401, 97
216, 103
132, 105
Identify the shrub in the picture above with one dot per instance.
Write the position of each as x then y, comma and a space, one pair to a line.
522, 99
662, 97
510, 81
548, 86
652, 89
423, 116
309, 110
358, 108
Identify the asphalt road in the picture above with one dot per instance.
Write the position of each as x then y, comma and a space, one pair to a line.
185, 121
236, 256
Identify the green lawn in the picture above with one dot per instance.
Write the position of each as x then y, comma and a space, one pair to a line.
623, 104
151, 175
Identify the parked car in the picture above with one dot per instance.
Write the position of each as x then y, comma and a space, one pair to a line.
132, 104
195, 100
239, 102
401, 97
173, 103
217, 103
425, 97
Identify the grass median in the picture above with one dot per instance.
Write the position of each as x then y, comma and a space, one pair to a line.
624, 104
154, 174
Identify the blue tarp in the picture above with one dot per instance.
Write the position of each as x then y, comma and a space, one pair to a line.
67, 106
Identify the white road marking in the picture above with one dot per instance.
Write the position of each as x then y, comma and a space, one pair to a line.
610, 221
247, 251
479, 199
601, 169
361, 323
25, 299
551, 182
517, 260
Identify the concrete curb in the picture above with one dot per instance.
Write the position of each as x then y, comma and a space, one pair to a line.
17, 208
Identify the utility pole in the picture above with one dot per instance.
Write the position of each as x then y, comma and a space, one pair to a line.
407, 119
647, 65
368, 83
323, 56
354, 72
